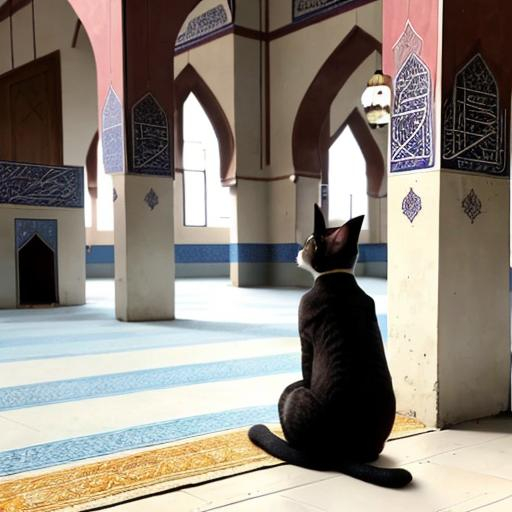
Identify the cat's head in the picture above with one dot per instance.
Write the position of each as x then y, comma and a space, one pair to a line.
330, 249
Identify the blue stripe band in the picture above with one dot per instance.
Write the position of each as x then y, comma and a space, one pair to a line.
71, 390
79, 448
237, 253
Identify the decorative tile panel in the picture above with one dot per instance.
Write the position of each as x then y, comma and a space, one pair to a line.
409, 42
302, 8
411, 205
151, 144
46, 229
411, 122
151, 199
474, 130
203, 25
472, 206
41, 185
112, 135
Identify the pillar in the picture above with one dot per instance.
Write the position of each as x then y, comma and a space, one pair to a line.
133, 44
249, 247
448, 209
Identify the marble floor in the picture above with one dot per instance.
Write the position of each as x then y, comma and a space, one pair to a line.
464, 469
71, 378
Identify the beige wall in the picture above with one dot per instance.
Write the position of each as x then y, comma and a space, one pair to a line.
295, 59
214, 62
70, 252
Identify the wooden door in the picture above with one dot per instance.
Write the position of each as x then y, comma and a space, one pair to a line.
31, 112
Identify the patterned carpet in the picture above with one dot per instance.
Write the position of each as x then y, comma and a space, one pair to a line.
145, 473
146, 405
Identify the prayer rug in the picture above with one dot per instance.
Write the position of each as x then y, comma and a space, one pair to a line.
144, 473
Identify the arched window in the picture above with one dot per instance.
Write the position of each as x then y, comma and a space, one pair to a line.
206, 202
347, 180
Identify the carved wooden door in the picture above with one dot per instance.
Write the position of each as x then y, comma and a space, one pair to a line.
31, 112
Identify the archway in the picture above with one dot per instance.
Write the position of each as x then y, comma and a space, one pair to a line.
37, 273
311, 124
189, 81
375, 165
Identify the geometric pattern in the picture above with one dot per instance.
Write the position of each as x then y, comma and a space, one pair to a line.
46, 229
112, 135
151, 199
474, 130
103, 483
411, 205
409, 42
96, 445
472, 206
41, 185
44, 393
151, 154
303, 8
411, 122
203, 25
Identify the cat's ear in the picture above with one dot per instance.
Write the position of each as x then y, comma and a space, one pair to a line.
319, 222
346, 236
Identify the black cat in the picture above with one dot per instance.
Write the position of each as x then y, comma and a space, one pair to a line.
340, 414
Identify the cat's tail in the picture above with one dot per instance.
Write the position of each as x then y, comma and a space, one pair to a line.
261, 436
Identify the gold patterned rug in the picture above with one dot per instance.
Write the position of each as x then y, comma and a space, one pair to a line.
122, 478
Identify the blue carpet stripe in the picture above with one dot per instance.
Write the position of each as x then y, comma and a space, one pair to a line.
106, 342
79, 448
32, 395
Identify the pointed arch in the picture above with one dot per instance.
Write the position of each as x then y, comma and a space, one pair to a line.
375, 165
189, 81
313, 112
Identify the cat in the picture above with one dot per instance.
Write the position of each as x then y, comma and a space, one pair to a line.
338, 417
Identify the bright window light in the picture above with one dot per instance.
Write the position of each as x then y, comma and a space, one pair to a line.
201, 153
347, 180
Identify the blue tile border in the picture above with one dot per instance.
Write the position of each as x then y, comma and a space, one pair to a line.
99, 254
97, 445
98, 386
263, 253
201, 253
373, 253
242, 253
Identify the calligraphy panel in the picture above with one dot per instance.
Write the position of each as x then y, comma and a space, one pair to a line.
205, 24
302, 8
112, 135
411, 122
473, 122
40, 185
151, 153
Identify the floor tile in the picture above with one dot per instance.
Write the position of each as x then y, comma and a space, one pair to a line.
172, 502
434, 488
272, 503
490, 458
416, 448
257, 483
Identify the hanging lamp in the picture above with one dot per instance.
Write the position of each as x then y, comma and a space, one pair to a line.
376, 100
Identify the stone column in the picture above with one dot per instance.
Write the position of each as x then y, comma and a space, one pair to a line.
249, 247
448, 209
133, 44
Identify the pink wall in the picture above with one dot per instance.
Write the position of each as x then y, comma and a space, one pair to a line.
423, 15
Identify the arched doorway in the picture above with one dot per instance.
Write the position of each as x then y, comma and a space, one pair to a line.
37, 273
